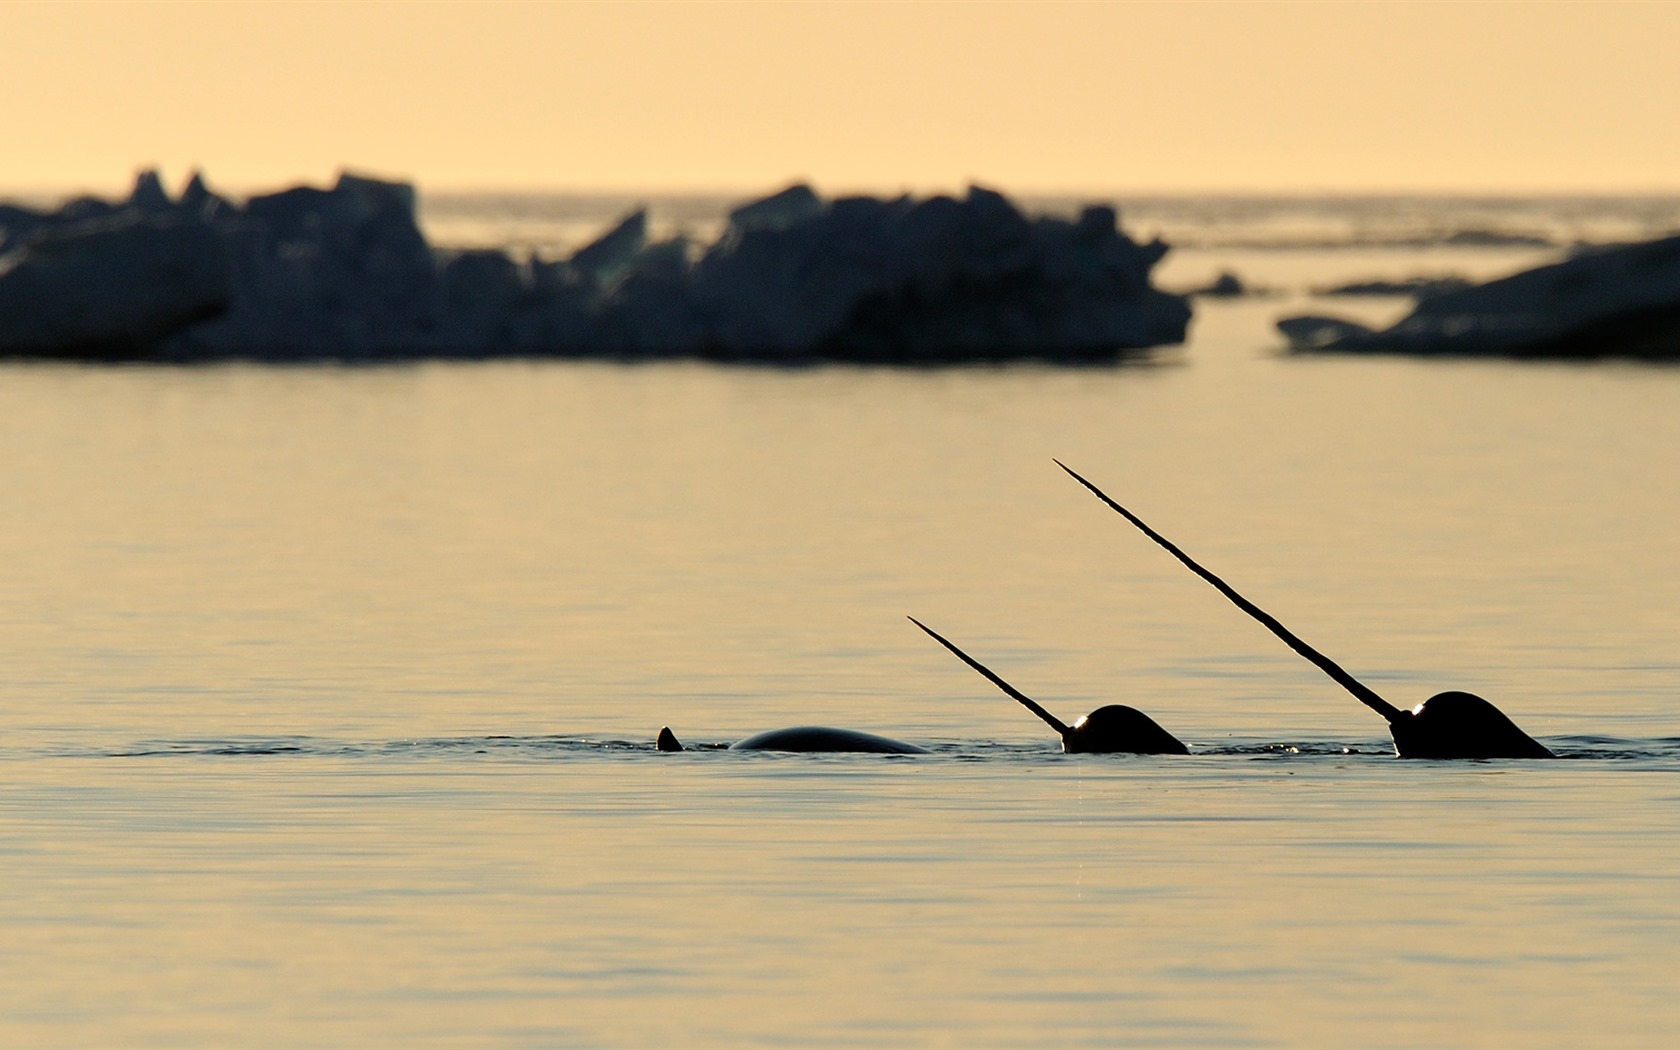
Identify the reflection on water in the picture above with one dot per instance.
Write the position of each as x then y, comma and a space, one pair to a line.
494, 894
331, 697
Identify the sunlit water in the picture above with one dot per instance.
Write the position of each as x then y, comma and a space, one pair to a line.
330, 697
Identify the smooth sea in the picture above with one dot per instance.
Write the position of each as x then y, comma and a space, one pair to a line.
329, 693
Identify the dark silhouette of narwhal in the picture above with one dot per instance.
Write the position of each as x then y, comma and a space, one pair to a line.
807, 738
1114, 729
1448, 725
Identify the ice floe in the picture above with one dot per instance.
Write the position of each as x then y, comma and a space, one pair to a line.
346, 273
1615, 301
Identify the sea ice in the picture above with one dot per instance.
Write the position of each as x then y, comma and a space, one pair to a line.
346, 273
111, 286
1617, 301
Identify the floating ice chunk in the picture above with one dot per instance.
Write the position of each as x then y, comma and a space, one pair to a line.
939, 279
1616, 301
792, 206
1316, 332
110, 287
606, 258
1226, 286
148, 194
346, 273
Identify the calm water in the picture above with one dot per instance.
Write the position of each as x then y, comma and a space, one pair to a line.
330, 697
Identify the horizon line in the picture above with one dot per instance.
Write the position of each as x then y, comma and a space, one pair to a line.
240, 188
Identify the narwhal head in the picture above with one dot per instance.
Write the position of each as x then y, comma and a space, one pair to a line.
1460, 725
1119, 729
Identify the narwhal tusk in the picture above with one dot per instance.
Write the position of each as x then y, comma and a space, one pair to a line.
1361, 692
1028, 702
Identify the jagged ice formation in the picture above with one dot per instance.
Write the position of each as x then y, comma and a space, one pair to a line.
346, 274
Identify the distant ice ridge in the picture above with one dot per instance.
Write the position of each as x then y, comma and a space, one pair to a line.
345, 273
1618, 301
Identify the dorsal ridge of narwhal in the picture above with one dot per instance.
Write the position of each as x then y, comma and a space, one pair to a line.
1114, 729
1453, 724
805, 739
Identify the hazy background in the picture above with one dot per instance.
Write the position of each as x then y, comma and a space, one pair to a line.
1063, 97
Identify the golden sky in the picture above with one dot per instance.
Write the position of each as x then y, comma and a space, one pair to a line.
873, 96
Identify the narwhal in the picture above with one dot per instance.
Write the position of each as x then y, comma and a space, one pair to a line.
806, 738
1113, 729
1453, 724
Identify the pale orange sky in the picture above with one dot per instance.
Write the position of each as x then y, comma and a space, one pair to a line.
875, 96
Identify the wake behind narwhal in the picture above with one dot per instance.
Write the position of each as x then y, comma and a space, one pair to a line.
1452, 724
